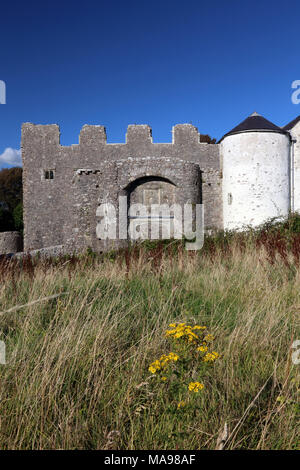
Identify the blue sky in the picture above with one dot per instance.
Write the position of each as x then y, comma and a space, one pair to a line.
159, 63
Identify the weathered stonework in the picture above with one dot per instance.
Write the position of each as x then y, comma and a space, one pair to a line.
10, 242
62, 210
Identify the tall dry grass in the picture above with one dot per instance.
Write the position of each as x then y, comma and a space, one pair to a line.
77, 364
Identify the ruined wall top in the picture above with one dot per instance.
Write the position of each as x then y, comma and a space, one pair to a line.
96, 134
41, 146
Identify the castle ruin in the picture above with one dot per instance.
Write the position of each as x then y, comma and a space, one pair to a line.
250, 176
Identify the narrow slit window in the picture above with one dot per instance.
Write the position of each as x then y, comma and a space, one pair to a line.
49, 174
229, 199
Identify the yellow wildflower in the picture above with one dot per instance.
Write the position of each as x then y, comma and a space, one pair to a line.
195, 387
179, 334
202, 348
154, 366
162, 362
173, 356
209, 357
209, 338
181, 404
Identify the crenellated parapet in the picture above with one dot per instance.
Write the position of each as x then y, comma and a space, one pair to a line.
41, 148
94, 135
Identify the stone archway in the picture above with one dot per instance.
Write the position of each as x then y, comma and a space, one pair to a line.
151, 192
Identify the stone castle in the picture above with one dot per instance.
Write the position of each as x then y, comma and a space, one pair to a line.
251, 175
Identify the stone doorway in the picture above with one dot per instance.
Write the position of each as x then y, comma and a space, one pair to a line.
151, 192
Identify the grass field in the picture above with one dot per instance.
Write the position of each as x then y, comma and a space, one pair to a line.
76, 373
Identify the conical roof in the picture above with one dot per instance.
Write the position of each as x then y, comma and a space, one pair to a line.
255, 123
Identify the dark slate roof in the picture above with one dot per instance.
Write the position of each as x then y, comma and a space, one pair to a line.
254, 123
291, 124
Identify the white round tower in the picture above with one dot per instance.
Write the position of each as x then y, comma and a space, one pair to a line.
256, 166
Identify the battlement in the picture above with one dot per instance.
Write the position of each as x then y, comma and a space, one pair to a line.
94, 135
46, 133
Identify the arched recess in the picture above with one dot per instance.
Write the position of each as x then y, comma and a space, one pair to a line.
152, 190
149, 191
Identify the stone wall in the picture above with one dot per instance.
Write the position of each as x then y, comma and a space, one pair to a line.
10, 242
62, 209
295, 168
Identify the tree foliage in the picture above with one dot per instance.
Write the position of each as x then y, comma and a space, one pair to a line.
18, 217
11, 186
6, 221
205, 138
11, 200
